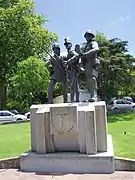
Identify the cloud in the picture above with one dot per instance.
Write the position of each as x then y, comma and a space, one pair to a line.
122, 18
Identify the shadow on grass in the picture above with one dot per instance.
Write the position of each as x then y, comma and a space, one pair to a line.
130, 116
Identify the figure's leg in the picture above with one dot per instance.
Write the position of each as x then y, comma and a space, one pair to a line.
50, 91
76, 89
72, 87
94, 88
89, 81
65, 91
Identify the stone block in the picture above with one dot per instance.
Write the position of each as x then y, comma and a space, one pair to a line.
40, 131
90, 128
101, 126
77, 127
33, 110
69, 162
81, 132
63, 127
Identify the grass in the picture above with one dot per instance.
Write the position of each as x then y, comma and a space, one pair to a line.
15, 138
122, 129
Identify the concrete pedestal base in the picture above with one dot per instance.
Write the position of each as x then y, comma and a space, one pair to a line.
69, 162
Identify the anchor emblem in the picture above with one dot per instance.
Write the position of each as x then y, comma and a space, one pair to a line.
64, 127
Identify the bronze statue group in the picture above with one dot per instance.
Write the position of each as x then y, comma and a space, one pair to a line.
67, 68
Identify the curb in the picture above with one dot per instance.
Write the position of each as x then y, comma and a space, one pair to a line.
124, 164
10, 163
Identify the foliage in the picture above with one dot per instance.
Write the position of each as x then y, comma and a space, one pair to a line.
22, 34
31, 77
58, 90
21, 106
115, 67
8, 3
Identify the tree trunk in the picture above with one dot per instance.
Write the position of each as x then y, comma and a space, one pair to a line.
2, 94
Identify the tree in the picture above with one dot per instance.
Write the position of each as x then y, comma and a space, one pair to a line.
22, 34
115, 67
31, 79
8, 3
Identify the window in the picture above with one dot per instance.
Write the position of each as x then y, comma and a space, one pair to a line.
119, 102
1, 114
6, 114
126, 102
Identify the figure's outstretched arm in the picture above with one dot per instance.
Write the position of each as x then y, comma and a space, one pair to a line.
94, 49
74, 58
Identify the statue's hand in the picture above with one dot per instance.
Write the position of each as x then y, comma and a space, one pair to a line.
65, 63
82, 55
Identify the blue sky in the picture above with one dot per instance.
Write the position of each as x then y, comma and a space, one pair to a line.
70, 18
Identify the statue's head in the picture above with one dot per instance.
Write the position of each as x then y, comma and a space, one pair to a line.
89, 35
67, 43
56, 48
77, 48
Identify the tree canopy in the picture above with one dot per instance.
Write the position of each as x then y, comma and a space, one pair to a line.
116, 67
22, 34
31, 76
31, 79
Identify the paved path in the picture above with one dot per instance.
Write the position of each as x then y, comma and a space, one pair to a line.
13, 174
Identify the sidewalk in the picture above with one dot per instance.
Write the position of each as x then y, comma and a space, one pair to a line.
13, 174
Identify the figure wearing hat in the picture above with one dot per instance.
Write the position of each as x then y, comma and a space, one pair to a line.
58, 74
91, 62
72, 62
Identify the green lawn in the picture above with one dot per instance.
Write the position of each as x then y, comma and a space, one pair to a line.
15, 138
122, 129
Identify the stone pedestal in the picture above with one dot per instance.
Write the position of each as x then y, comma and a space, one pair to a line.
69, 162
76, 128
